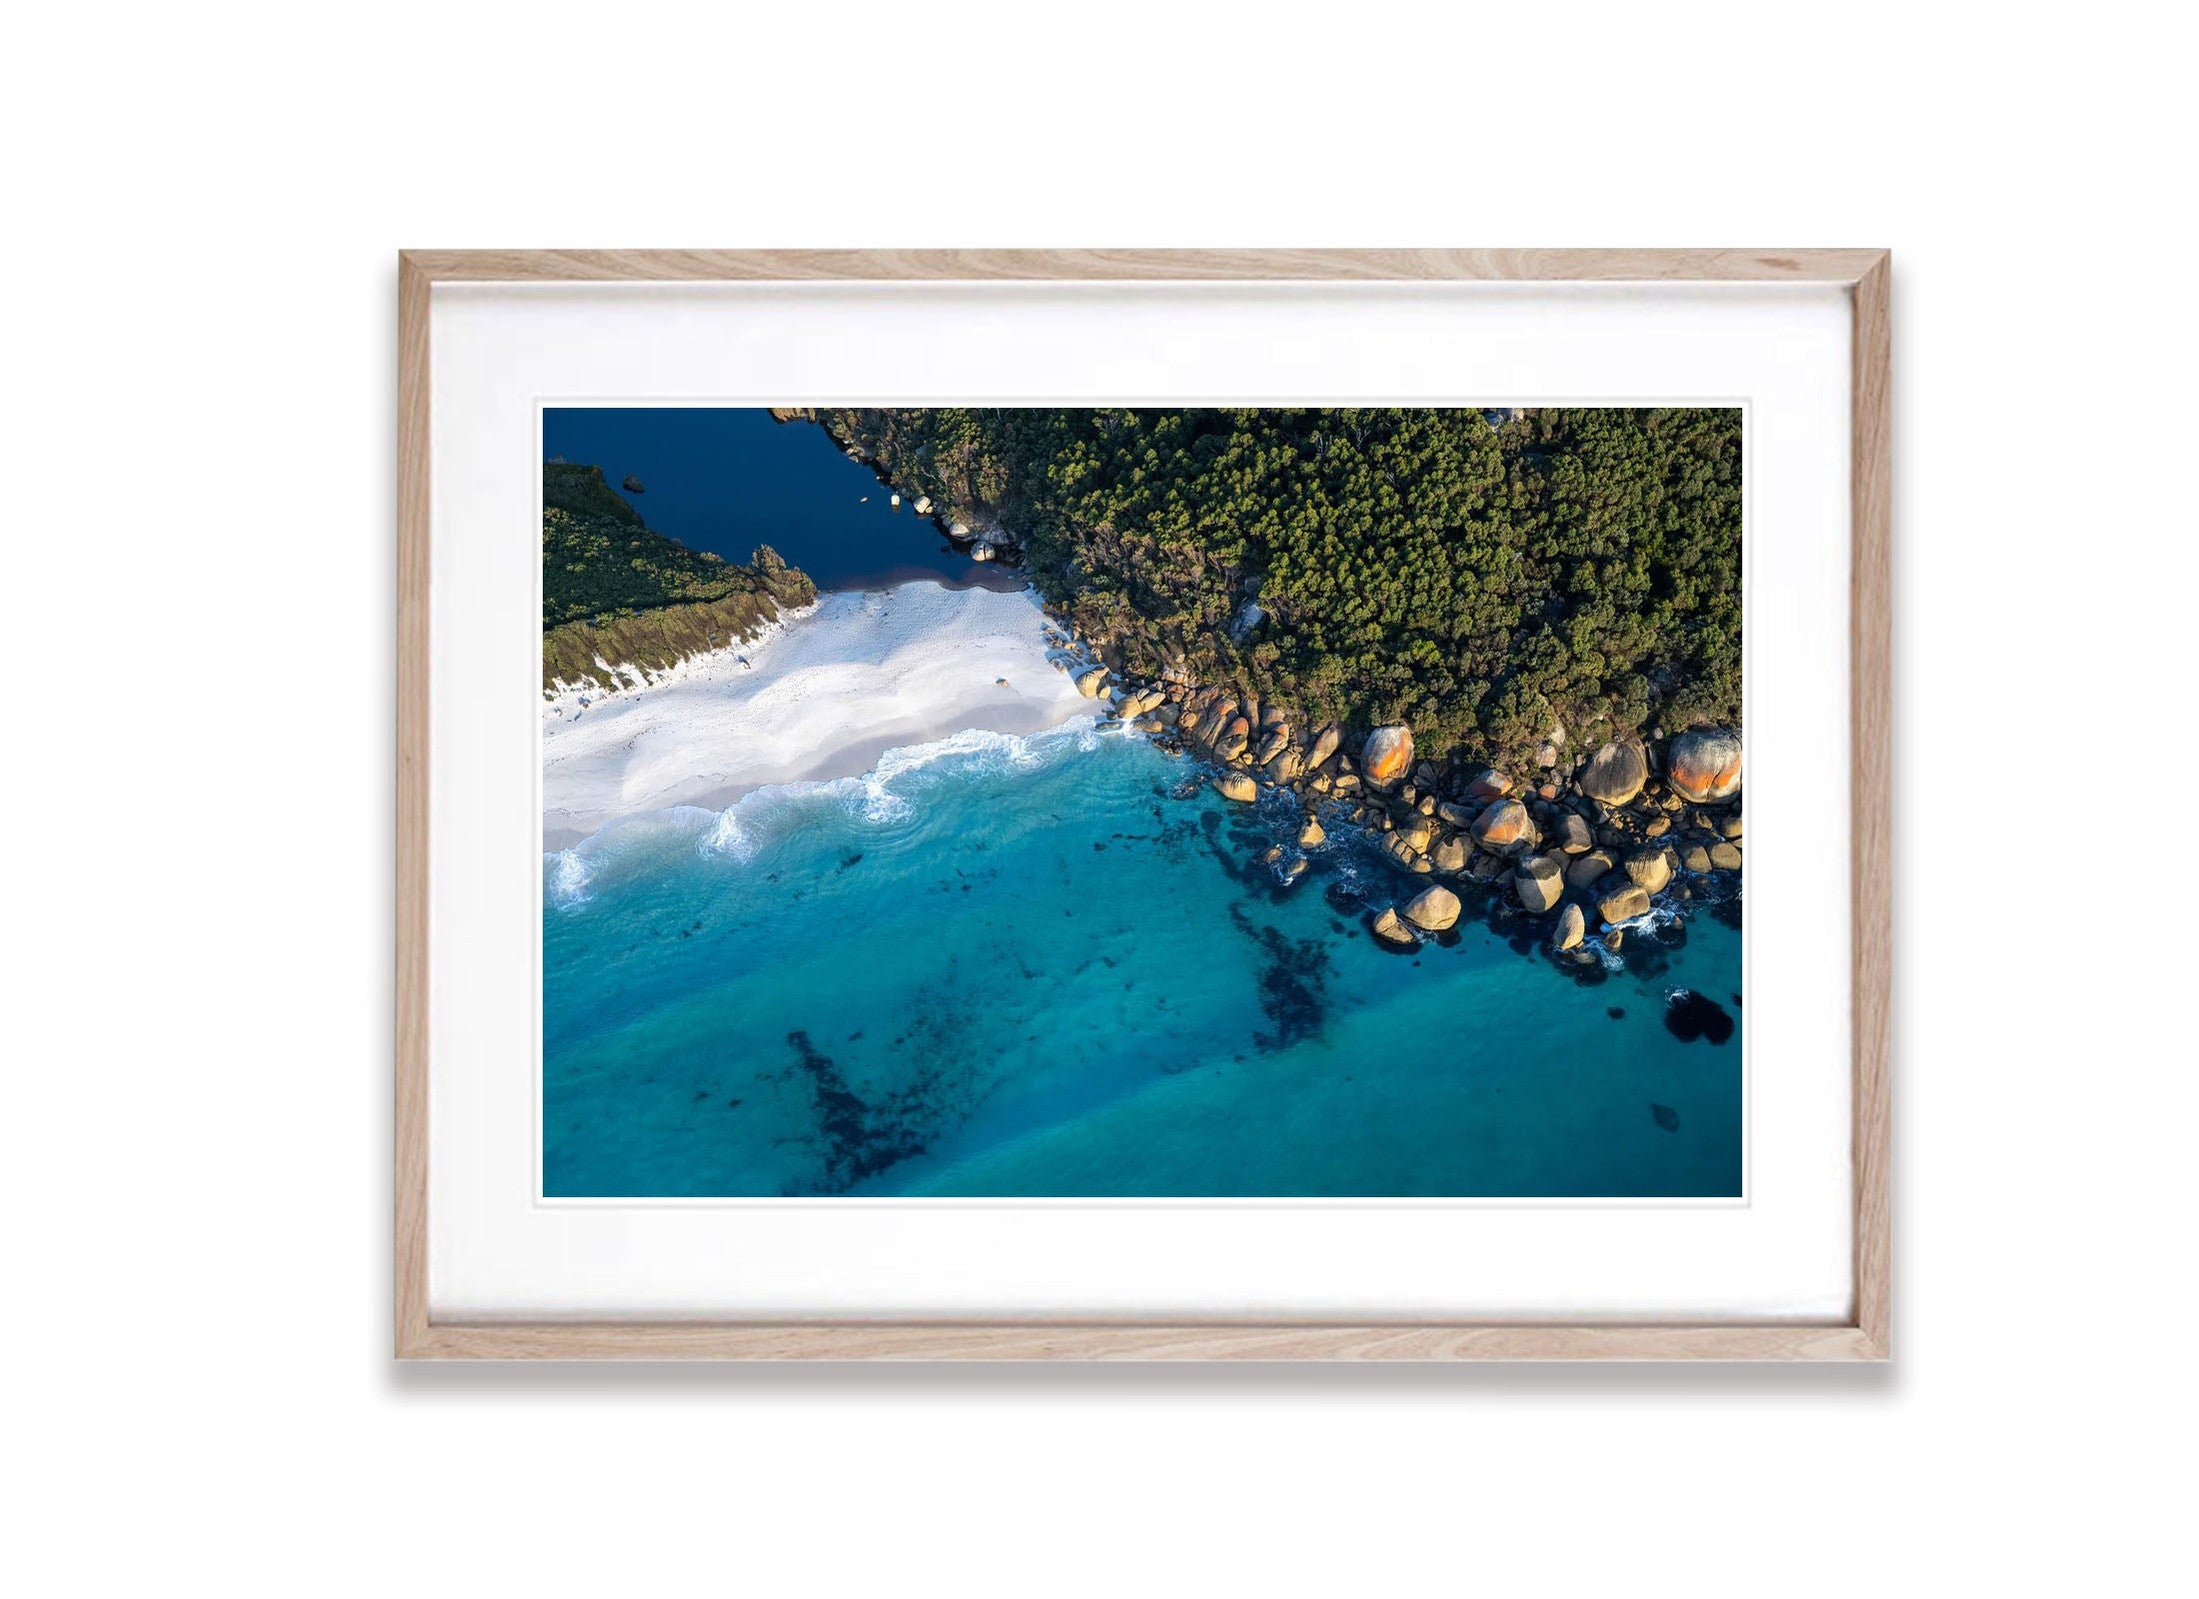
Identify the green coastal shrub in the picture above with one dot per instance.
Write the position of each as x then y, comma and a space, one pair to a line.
615, 591
1569, 567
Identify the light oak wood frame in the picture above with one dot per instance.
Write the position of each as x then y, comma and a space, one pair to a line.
1861, 1337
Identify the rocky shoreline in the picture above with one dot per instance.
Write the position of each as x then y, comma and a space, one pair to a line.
981, 541
1581, 845
1580, 851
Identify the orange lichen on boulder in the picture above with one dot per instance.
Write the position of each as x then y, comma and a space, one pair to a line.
1387, 755
1503, 823
1705, 765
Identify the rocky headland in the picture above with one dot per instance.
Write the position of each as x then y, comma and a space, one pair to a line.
1574, 845
1580, 848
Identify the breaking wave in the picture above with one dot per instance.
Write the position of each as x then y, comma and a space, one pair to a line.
891, 798
567, 878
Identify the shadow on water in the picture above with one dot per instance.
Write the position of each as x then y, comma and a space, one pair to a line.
1690, 1016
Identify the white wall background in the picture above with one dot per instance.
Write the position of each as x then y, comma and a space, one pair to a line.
195, 901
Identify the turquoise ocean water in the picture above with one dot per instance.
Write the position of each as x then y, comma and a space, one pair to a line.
1056, 966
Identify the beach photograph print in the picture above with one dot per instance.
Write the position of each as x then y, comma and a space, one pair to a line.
1035, 803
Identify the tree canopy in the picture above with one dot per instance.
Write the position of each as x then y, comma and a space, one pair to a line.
1488, 578
614, 591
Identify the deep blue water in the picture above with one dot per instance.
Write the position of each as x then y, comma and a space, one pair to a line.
727, 479
1056, 966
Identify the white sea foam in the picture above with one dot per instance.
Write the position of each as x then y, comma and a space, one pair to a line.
890, 795
727, 837
1664, 911
877, 804
567, 878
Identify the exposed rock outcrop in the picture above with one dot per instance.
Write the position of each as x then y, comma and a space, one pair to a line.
1651, 869
1394, 932
1387, 755
1615, 773
1539, 882
1589, 869
1619, 899
1502, 824
1574, 843
1433, 909
1704, 765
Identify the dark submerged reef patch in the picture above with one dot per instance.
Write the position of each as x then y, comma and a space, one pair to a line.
858, 1138
1293, 985
1690, 1016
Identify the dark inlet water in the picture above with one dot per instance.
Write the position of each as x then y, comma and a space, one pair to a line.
726, 480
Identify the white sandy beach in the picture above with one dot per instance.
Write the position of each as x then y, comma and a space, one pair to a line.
822, 696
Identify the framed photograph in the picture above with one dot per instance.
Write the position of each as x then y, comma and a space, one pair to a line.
1137, 804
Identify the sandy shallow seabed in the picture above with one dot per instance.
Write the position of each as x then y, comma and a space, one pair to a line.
822, 696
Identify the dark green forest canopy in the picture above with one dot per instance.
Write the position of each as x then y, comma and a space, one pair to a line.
1573, 567
599, 561
613, 589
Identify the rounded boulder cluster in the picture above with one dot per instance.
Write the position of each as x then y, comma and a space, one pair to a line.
1585, 845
